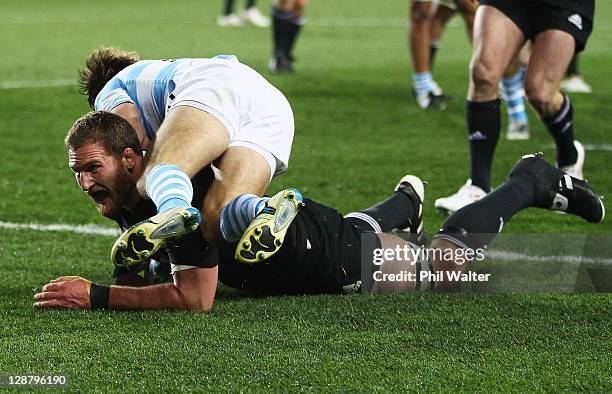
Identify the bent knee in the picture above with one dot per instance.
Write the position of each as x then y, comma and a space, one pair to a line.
541, 97
484, 77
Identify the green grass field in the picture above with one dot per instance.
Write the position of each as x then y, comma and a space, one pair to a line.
358, 131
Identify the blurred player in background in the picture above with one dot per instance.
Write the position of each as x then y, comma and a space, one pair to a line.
189, 114
321, 251
437, 14
287, 21
427, 21
423, 46
512, 92
573, 82
558, 30
250, 14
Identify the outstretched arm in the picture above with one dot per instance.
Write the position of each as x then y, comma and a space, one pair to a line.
193, 289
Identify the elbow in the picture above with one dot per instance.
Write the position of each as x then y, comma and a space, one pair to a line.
198, 307
196, 288
196, 304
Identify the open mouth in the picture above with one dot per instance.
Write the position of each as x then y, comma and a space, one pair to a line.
100, 196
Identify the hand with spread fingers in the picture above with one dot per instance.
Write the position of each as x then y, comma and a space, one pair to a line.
65, 292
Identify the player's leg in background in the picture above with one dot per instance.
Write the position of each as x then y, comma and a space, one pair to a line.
418, 36
512, 90
443, 13
240, 171
572, 68
513, 93
497, 40
439, 20
297, 21
573, 82
252, 15
287, 21
229, 18
468, 8
551, 54
419, 40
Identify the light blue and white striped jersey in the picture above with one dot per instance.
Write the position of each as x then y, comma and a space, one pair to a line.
254, 113
148, 84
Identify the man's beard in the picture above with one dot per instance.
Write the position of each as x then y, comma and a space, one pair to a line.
118, 194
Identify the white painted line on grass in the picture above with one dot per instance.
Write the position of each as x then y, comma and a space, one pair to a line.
505, 255
314, 21
391, 22
4, 85
359, 22
89, 229
92, 229
588, 147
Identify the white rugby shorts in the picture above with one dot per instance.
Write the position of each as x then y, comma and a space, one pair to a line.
254, 112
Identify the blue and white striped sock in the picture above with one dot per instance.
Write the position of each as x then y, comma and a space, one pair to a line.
514, 96
238, 214
169, 187
422, 82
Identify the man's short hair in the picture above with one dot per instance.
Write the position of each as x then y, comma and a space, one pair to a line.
114, 132
100, 66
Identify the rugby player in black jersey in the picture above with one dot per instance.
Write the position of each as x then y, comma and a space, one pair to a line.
320, 252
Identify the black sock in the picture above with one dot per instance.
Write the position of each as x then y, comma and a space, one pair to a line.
483, 122
395, 212
294, 29
477, 224
433, 48
561, 127
229, 7
281, 26
572, 68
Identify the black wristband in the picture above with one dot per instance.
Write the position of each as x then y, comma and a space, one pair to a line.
98, 296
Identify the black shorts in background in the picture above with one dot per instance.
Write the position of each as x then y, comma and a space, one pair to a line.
535, 16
